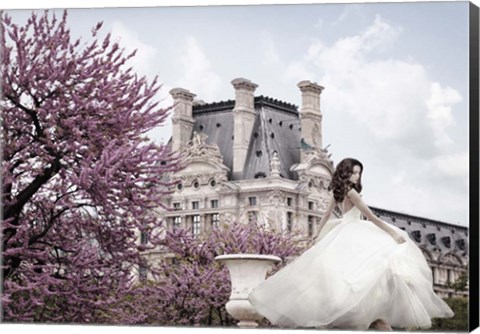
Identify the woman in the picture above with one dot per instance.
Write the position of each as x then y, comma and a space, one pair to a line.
358, 274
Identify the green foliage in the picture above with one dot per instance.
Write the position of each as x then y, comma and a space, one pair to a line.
461, 283
459, 322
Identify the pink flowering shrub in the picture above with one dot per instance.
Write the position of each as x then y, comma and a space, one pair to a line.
193, 288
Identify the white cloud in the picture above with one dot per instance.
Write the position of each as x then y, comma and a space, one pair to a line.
128, 39
350, 11
144, 64
319, 25
198, 75
440, 111
394, 105
296, 72
393, 99
162, 134
454, 165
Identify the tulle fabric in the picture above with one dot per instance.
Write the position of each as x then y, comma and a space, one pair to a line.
353, 275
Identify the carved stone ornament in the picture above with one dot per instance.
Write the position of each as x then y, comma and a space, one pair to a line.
275, 197
203, 179
197, 151
275, 165
321, 183
451, 259
198, 148
314, 156
318, 155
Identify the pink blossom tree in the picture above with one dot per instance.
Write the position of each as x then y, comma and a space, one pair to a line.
193, 288
79, 176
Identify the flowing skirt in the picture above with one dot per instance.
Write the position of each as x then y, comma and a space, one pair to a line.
354, 274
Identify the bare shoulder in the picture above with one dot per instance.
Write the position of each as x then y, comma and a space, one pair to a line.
352, 193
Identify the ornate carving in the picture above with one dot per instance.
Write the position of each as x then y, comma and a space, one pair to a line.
315, 154
275, 165
321, 183
203, 179
198, 148
323, 203
275, 197
451, 259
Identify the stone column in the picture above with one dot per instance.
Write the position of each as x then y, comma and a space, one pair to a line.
182, 119
310, 114
243, 119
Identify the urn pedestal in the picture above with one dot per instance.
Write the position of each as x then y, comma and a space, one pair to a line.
247, 271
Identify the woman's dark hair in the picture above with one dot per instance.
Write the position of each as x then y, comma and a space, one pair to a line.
341, 183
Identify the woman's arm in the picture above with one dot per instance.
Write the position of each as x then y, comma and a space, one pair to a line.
360, 204
326, 216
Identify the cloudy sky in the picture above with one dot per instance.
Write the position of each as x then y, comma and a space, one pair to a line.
395, 78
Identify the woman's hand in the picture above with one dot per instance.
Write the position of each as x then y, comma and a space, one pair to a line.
400, 239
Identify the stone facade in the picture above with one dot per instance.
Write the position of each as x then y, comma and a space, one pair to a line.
257, 159
444, 245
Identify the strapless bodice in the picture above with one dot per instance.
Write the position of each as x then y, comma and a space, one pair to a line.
353, 214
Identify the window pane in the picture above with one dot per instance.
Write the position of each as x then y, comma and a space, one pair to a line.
289, 221
143, 238
177, 222
215, 220
196, 226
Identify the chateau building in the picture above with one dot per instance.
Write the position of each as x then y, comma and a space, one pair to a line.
261, 160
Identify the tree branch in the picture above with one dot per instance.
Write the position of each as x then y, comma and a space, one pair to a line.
31, 189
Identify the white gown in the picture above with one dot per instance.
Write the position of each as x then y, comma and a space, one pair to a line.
354, 274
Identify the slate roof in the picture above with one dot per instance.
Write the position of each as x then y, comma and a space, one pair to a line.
276, 128
216, 120
448, 237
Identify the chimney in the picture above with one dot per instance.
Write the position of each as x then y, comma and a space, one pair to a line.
182, 119
310, 115
243, 118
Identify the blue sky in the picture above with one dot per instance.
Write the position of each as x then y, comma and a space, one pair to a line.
395, 78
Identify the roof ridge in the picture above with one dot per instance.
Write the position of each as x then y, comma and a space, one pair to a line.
261, 100
428, 220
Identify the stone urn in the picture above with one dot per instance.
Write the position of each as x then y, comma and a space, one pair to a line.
247, 271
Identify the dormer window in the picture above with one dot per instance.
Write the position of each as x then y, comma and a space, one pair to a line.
446, 241
417, 235
460, 243
432, 238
